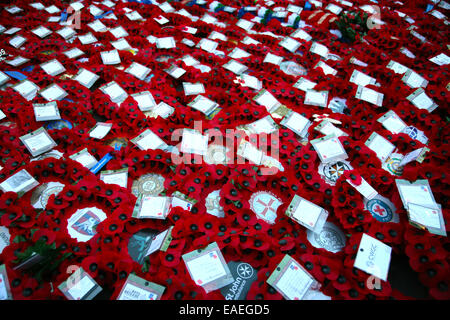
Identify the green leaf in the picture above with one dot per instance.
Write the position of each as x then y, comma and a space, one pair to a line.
19, 239
146, 264
33, 231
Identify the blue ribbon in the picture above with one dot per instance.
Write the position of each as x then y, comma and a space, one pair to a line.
308, 6
241, 12
16, 75
219, 8
28, 69
268, 17
63, 15
101, 163
103, 15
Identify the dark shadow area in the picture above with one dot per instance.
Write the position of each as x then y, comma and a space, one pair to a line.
404, 279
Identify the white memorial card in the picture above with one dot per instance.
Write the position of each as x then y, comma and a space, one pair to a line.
100, 130
148, 140
373, 257
329, 149
86, 78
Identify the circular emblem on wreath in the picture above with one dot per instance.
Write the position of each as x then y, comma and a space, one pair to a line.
50, 154
212, 204
330, 238
151, 184
265, 204
411, 131
83, 223
332, 171
117, 143
244, 270
40, 196
59, 124
292, 68
379, 210
392, 164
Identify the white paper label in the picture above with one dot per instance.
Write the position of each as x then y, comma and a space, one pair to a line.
381, 146
373, 257
79, 289
416, 194
153, 207
206, 268
132, 292
428, 217
3, 291
365, 189
394, 124
307, 213
38, 142
329, 148
294, 282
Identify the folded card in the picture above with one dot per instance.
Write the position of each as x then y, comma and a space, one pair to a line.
85, 158
53, 67
138, 70
297, 123
86, 78
152, 207
20, 182
316, 98
420, 99
373, 257
306, 213
149, 140
46, 111
329, 149
53, 92
266, 99
369, 95
380, 145
38, 142
194, 142
80, 286
208, 268
291, 280
391, 121
145, 100
137, 288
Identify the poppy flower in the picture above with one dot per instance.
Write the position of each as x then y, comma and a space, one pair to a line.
26, 289
45, 235
12, 214
257, 243
229, 191
219, 173
258, 288
110, 227
434, 273
441, 291
246, 218
330, 267
183, 291
352, 293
